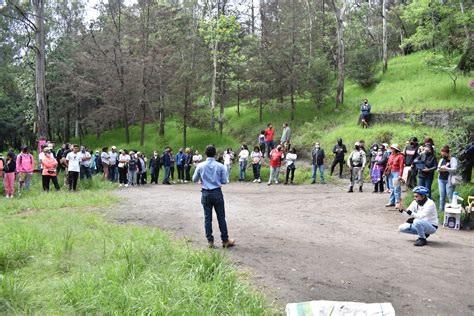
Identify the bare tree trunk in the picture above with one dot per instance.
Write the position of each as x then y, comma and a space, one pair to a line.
339, 15
214, 79
161, 110
260, 104
462, 65
144, 101
185, 115
67, 126
41, 104
310, 35
252, 16
384, 36
221, 106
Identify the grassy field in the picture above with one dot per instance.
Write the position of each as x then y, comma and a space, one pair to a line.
57, 257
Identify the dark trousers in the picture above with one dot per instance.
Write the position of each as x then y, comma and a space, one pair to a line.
256, 170
112, 173
262, 149
180, 172
72, 179
47, 179
123, 176
209, 200
288, 171
270, 145
341, 165
378, 186
141, 178
155, 172
412, 178
172, 173
187, 172
86, 172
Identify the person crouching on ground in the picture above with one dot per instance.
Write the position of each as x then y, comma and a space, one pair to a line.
213, 175
424, 216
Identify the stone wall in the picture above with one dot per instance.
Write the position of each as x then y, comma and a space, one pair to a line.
430, 118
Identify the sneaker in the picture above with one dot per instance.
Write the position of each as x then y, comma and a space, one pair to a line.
259, 181
276, 182
427, 235
120, 185
269, 183
286, 183
228, 243
313, 182
126, 185
389, 205
420, 242
360, 189
254, 181
350, 190
210, 245
185, 181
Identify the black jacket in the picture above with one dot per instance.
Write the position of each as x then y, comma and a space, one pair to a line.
10, 166
188, 160
411, 153
318, 156
339, 151
430, 163
155, 162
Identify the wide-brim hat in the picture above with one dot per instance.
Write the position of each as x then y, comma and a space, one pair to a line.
396, 147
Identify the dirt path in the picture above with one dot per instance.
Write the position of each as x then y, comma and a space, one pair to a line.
318, 242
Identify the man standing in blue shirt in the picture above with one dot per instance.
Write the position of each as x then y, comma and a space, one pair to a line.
213, 175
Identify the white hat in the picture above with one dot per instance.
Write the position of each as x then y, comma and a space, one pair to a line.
356, 144
113, 147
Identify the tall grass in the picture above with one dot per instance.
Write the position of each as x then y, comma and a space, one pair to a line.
74, 262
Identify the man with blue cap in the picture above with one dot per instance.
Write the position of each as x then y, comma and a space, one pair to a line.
423, 219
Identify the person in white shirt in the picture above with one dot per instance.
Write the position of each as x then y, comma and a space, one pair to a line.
228, 158
257, 159
124, 158
197, 158
73, 161
243, 160
424, 216
85, 158
105, 158
113, 156
290, 160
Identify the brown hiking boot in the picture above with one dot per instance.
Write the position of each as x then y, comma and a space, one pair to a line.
228, 243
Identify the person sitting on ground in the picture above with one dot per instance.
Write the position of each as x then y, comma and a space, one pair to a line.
276, 157
356, 162
365, 108
424, 216
257, 159
318, 156
290, 165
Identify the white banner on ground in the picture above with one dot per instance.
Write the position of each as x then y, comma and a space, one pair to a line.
333, 308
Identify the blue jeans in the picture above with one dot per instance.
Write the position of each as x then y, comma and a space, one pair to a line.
256, 170
209, 200
243, 172
321, 173
426, 182
419, 227
270, 145
445, 190
167, 175
396, 193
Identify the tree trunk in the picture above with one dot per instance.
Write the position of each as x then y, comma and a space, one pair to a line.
67, 126
252, 11
238, 98
142, 127
214, 79
185, 115
221, 106
469, 50
339, 14
145, 40
293, 104
41, 104
384, 35
76, 123
161, 110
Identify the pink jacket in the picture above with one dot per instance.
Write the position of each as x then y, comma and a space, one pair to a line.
25, 163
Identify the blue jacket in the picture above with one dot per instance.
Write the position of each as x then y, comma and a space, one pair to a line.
166, 159
180, 159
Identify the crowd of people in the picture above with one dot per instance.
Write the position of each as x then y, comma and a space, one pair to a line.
389, 166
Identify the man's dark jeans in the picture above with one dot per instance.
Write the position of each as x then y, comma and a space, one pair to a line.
214, 199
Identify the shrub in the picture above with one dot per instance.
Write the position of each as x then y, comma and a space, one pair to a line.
361, 65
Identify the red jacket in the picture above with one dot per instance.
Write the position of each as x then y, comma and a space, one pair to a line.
396, 163
275, 158
269, 133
